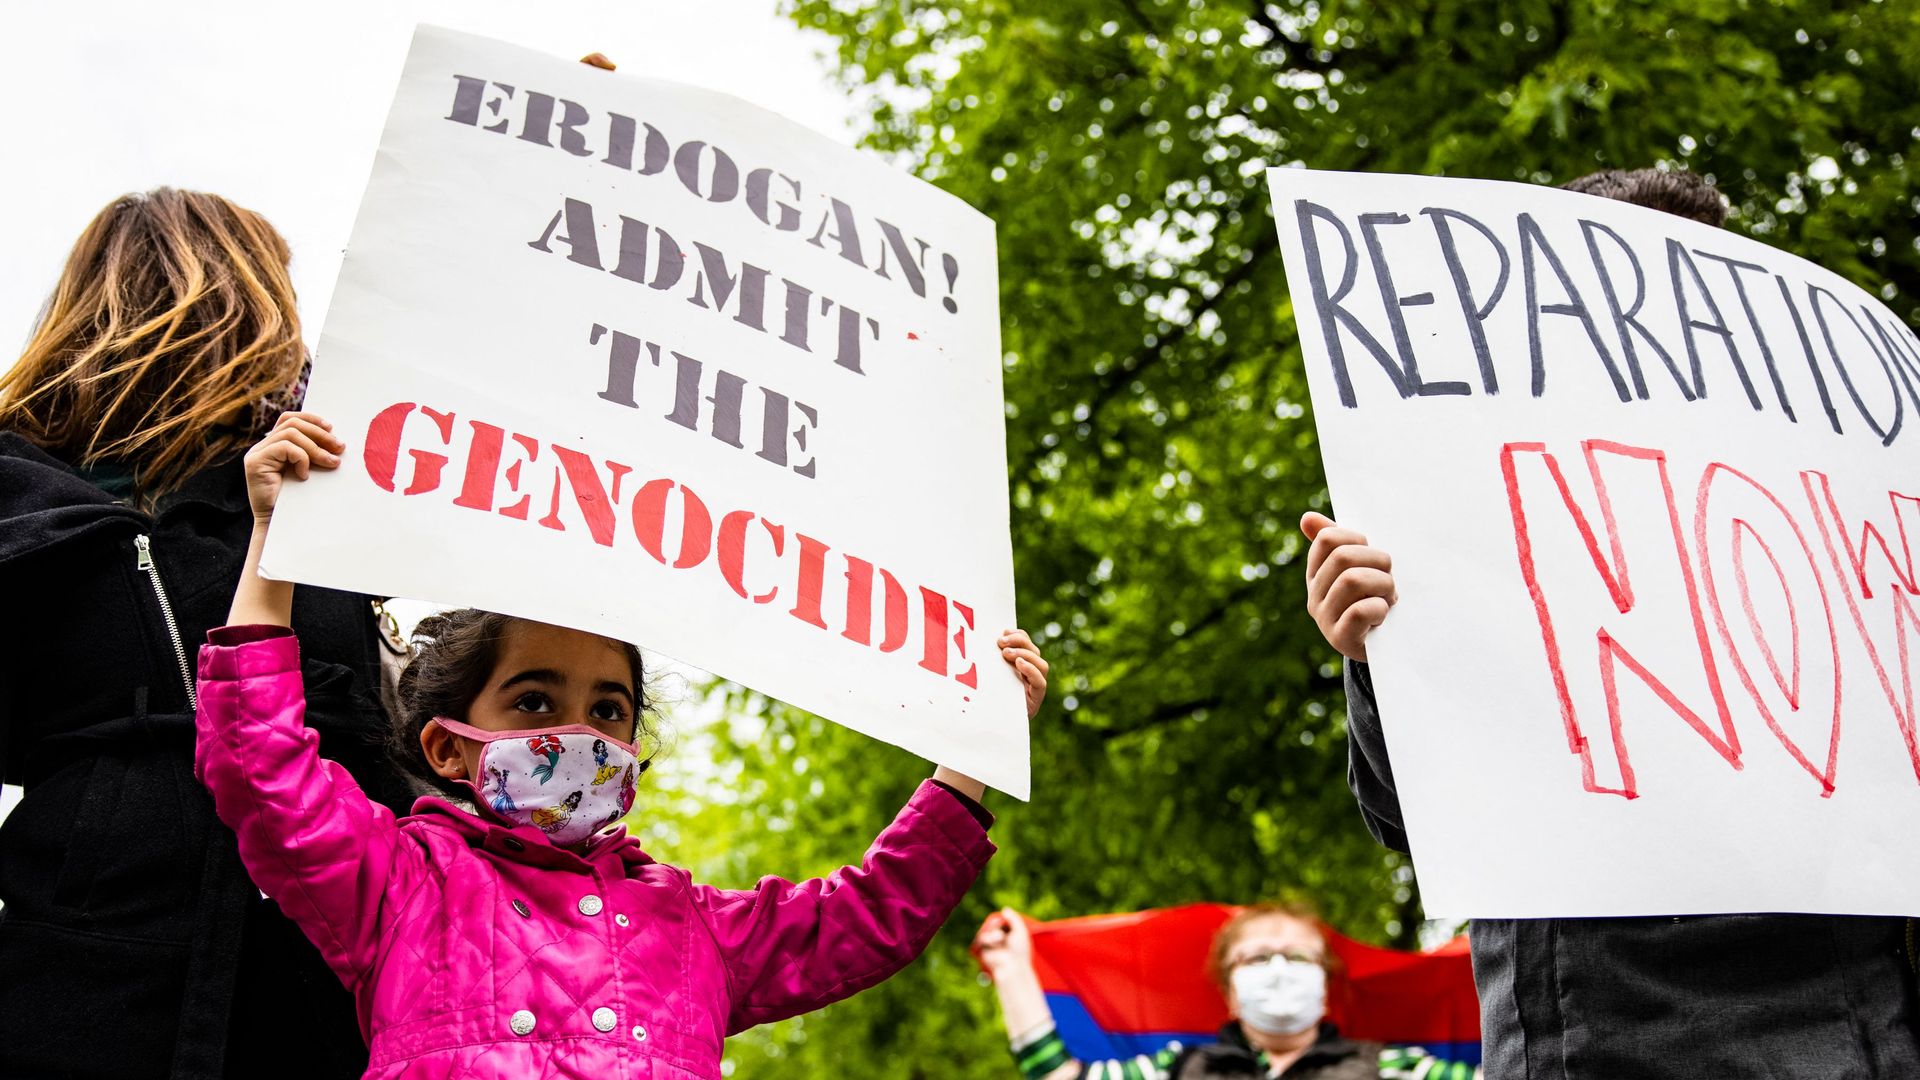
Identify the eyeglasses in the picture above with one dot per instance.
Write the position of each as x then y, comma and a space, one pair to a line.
1298, 956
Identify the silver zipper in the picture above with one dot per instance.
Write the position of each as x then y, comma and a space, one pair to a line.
145, 548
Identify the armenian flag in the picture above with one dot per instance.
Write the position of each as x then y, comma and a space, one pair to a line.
1121, 985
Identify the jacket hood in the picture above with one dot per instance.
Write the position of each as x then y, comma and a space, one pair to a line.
45, 502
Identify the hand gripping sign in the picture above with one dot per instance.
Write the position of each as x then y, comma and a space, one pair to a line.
648, 361
1652, 492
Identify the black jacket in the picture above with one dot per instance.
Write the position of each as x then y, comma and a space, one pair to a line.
1331, 1057
1819, 997
132, 943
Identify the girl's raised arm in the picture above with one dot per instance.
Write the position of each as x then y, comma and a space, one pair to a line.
791, 948
309, 837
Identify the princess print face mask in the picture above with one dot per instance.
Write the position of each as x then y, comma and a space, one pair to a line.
569, 782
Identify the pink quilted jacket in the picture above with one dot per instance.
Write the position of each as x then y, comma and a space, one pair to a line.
479, 950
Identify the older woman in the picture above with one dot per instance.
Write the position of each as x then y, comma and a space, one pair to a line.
1270, 961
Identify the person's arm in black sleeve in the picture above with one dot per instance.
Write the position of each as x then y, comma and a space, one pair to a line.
1369, 771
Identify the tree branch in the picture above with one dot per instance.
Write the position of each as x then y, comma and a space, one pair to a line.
1166, 713
1139, 17
1300, 55
1125, 371
1214, 615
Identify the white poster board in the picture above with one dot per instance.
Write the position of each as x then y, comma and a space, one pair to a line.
646, 360
1652, 494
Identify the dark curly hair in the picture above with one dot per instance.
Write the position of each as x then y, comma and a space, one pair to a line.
1686, 194
453, 653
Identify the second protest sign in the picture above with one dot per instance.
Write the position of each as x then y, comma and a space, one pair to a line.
1652, 494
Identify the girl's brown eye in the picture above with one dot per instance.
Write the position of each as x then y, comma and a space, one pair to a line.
533, 702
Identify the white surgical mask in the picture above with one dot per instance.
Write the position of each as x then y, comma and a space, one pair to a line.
569, 782
1281, 996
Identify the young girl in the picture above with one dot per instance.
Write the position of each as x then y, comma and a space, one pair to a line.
522, 938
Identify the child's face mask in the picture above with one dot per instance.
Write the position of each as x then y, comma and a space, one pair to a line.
570, 782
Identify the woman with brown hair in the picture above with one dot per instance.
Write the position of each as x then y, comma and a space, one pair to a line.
131, 942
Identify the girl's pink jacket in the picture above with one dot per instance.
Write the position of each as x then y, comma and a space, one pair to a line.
480, 950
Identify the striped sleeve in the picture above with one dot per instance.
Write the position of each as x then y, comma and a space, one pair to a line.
1413, 1063
1155, 1066
1040, 1055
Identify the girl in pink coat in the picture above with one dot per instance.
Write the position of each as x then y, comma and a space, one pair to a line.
524, 937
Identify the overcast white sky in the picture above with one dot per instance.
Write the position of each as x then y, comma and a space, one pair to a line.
278, 106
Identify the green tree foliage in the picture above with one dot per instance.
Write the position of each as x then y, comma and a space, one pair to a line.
1161, 445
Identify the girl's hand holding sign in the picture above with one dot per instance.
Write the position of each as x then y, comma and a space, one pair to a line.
298, 442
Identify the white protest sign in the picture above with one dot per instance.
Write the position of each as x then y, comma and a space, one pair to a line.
1652, 493
646, 360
